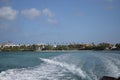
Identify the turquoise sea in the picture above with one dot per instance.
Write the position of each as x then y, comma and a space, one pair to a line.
70, 65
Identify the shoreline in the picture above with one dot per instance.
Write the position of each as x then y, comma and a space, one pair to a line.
58, 50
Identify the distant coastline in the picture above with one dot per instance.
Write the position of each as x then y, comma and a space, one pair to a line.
8, 47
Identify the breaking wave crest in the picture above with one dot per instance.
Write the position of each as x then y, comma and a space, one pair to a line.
41, 72
55, 70
71, 68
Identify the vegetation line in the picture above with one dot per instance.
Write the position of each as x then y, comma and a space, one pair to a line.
47, 47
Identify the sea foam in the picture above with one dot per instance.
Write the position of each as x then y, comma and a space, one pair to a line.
41, 72
71, 68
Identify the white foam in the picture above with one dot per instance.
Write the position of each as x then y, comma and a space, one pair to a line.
94, 77
111, 67
56, 69
42, 72
71, 68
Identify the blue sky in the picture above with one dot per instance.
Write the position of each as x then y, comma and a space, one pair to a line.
49, 21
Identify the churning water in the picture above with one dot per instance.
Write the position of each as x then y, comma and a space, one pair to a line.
81, 65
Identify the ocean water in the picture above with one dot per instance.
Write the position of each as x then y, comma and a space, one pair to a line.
75, 65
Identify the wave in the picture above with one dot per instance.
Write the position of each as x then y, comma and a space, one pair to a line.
89, 66
41, 72
110, 63
71, 68
112, 66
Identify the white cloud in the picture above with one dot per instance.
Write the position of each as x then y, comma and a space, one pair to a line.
52, 21
8, 13
50, 16
31, 13
48, 13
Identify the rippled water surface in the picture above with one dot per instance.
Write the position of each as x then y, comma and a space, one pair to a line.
77, 65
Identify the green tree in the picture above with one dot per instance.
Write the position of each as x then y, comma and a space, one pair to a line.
103, 46
62, 47
48, 47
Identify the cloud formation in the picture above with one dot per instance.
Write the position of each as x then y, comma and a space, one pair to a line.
47, 12
8, 13
50, 16
31, 13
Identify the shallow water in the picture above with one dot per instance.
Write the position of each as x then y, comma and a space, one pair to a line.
78, 65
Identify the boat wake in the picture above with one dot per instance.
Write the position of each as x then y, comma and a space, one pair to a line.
72, 68
88, 66
48, 70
